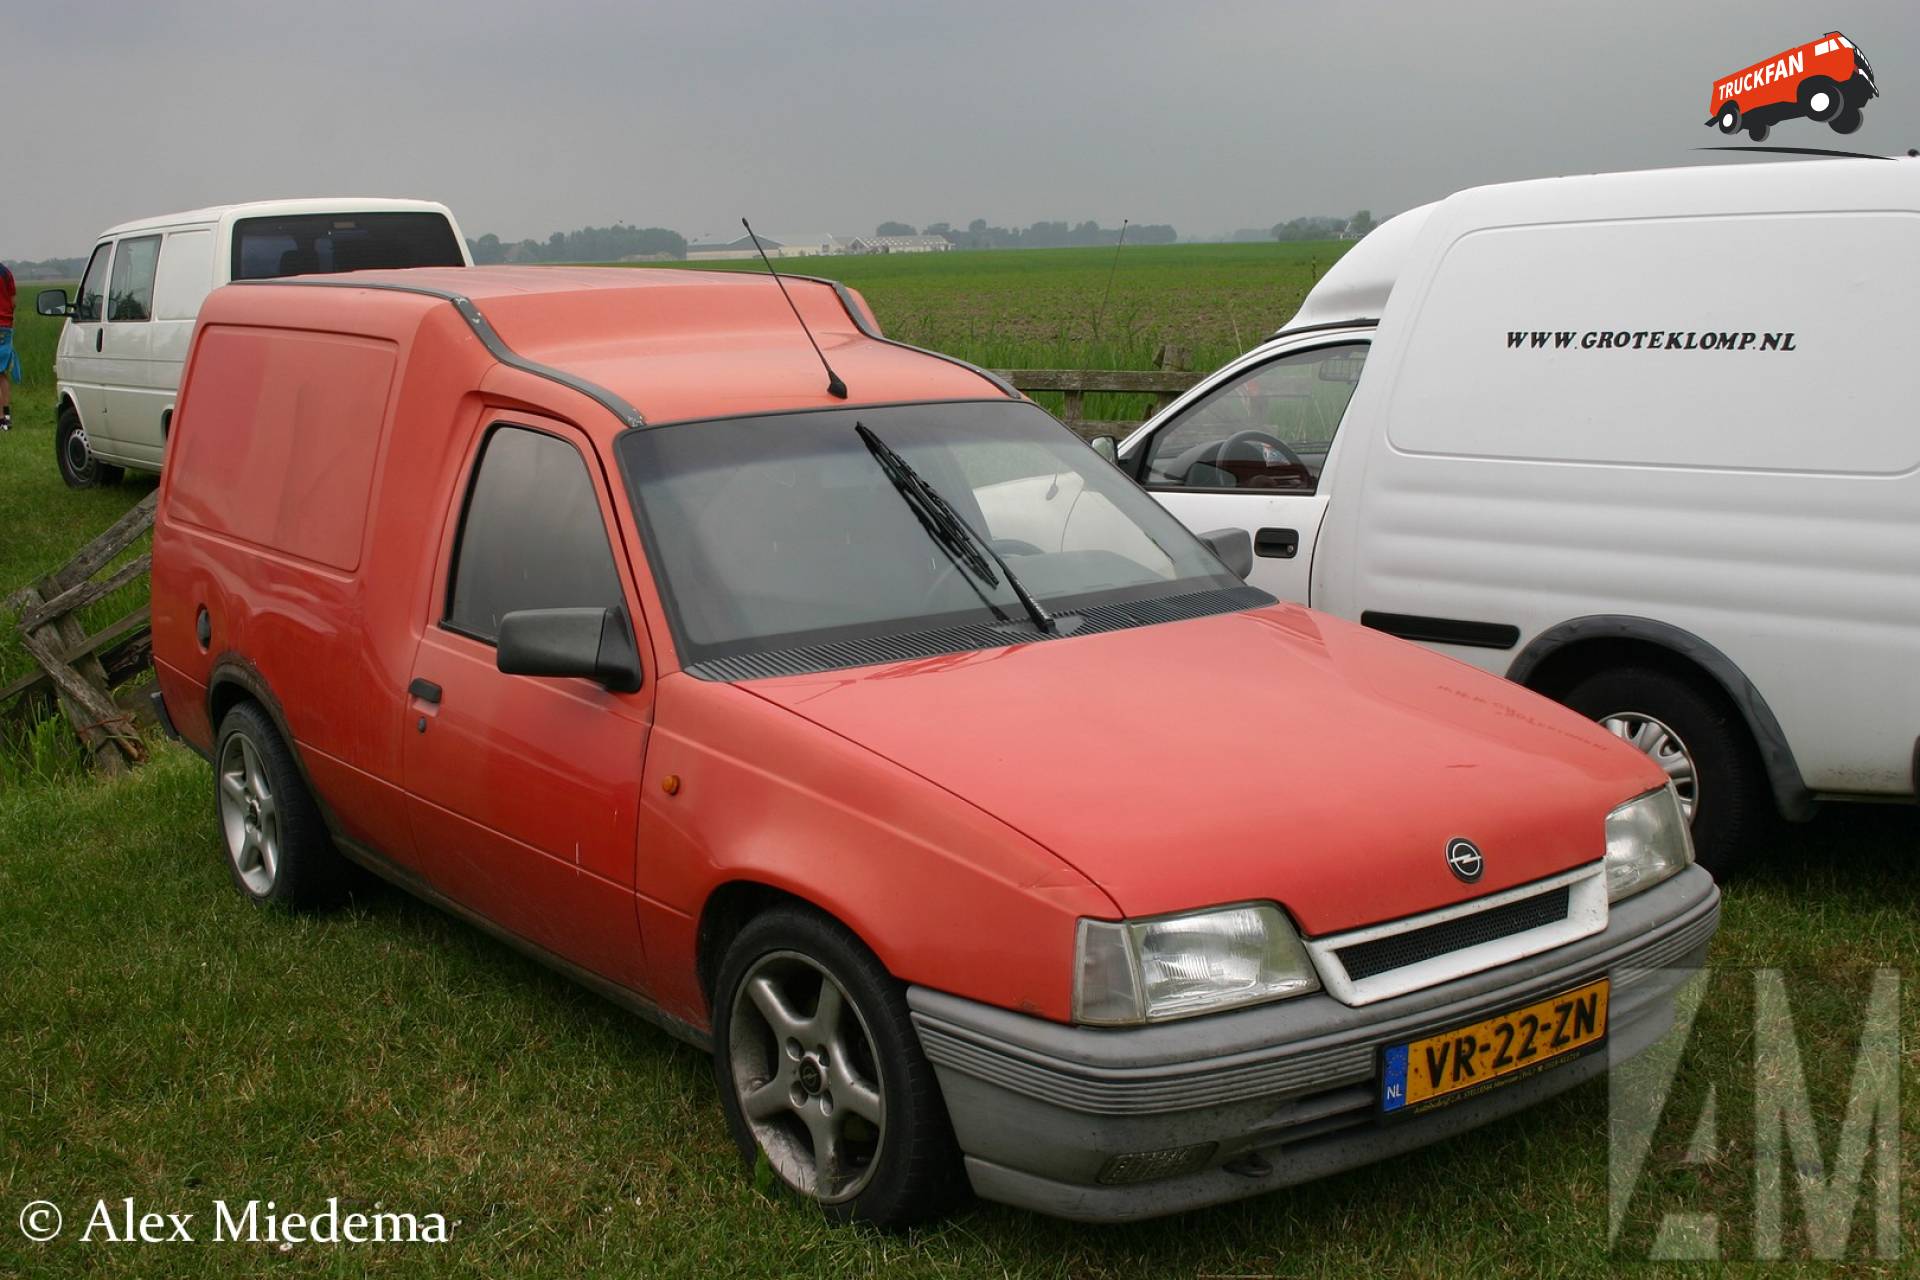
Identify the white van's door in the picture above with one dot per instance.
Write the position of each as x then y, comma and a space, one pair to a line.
132, 428
81, 338
1247, 449
182, 283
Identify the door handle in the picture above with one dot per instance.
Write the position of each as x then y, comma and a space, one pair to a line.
1277, 544
425, 690
100, 339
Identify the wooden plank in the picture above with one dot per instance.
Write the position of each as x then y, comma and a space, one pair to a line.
134, 623
103, 727
117, 537
76, 598
1169, 381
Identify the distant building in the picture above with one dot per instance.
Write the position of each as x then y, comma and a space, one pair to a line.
807, 246
900, 244
722, 250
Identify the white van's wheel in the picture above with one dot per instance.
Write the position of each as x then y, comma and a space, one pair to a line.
78, 467
1701, 744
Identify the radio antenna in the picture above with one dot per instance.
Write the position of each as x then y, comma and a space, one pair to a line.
835, 388
1102, 313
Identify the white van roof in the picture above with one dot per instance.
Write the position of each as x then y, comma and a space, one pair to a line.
1358, 286
280, 209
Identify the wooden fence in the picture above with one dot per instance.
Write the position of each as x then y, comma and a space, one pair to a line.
81, 670
1163, 384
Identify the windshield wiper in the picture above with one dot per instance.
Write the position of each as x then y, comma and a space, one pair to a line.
944, 525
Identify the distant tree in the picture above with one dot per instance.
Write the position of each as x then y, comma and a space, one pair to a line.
937, 229
978, 226
1361, 222
1310, 229
894, 229
487, 250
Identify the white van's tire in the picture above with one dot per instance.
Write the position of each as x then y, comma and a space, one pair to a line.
1661, 712
78, 467
276, 842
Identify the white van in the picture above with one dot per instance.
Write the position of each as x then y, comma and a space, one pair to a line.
1644, 442
119, 358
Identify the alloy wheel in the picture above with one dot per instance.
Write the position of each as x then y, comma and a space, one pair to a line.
1665, 748
802, 1062
249, 815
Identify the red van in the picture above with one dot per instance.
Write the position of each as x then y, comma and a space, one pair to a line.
1828, 80
891, 744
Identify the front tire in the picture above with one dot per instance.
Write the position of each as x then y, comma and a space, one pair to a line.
278, 849
1820, 98
821, 1073
1729, 120
78, 467
1701, 743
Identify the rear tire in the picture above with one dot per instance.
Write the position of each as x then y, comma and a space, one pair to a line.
78, 467
1758, 132
278, 849
1731, 803
1847, 121
814, 1053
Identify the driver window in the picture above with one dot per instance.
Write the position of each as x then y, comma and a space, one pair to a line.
1268, 429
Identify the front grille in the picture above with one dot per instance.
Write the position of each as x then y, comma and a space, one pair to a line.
1365, 960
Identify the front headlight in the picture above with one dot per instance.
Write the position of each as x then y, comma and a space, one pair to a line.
1132, 971
1647, 841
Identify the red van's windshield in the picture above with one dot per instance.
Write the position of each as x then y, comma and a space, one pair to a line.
797, 538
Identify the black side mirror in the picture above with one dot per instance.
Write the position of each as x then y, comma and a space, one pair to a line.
595, 644
52, 302
1233, 546
1107, 447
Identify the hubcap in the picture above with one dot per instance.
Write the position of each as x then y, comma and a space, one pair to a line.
1665, 749
1818, 102
249, 817
803, 1070
79, 453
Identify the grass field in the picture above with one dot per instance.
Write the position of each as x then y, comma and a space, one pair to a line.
162, 1039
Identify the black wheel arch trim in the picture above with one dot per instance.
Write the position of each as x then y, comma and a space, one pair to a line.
1790, 791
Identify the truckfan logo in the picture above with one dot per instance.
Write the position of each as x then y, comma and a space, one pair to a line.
1464, 859
1828, 80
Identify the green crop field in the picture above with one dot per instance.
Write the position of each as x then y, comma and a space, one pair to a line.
162, 1039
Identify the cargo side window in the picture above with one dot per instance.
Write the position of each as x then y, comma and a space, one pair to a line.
1268, 429
531, 536
89, 305
130, 295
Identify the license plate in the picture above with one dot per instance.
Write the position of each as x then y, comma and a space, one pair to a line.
1438, 1069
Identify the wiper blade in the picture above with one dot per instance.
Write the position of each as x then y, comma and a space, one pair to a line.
946, 527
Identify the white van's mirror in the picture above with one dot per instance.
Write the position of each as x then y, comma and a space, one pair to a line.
52, 302
1107, 447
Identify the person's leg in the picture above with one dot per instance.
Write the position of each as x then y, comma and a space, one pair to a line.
6, 402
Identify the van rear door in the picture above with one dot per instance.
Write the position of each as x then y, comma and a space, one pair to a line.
268, 247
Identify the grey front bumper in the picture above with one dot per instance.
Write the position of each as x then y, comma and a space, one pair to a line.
1287, 1091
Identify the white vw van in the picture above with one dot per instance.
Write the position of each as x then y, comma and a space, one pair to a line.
1644, 442
120, 354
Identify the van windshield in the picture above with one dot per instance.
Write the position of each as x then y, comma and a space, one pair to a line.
794, 542
324, 243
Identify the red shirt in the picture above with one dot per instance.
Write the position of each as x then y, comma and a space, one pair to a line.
6, 297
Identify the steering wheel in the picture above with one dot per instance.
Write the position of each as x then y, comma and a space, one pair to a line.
1265, 440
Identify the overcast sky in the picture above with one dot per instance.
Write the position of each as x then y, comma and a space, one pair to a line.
829, 117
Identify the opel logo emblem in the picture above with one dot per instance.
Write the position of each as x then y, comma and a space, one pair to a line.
1464, 859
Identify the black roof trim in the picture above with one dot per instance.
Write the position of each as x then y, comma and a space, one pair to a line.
841, 292
1323, 326
489, 338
